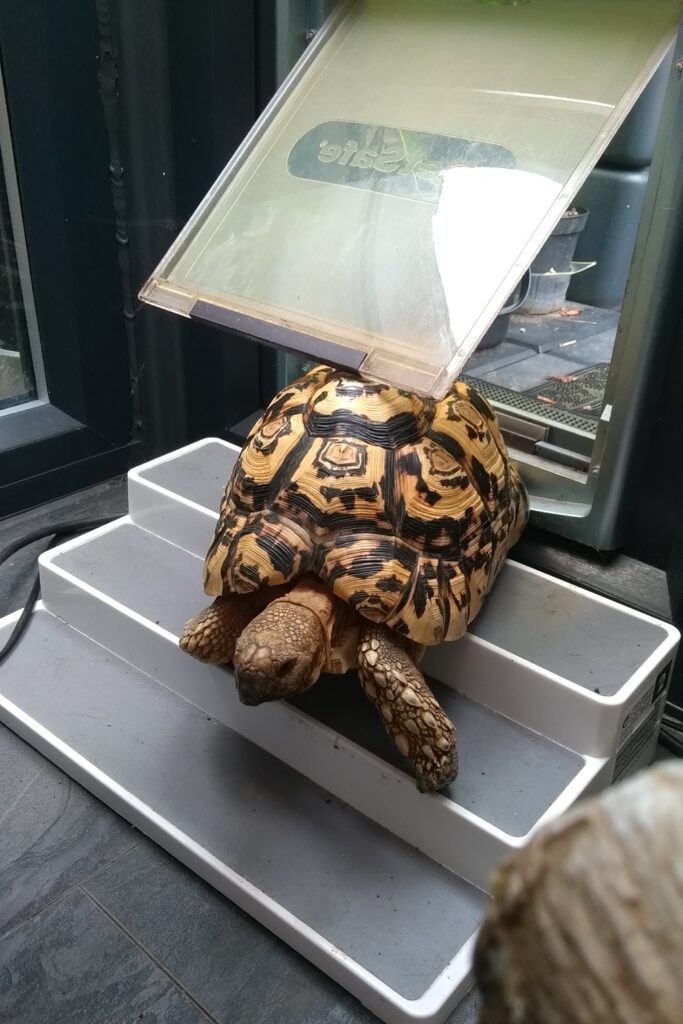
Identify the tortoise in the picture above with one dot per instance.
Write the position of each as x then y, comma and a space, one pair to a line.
361, 524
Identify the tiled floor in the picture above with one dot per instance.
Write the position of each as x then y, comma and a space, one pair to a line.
539, 348
99, 926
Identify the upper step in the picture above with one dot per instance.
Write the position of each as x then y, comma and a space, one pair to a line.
601, 661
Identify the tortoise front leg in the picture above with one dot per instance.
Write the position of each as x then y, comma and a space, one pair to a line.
211, 636
411, 714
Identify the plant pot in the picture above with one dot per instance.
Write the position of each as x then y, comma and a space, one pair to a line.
548, 292
558, 252
499, 328
553, 268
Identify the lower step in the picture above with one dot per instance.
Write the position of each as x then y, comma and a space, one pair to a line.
382, 919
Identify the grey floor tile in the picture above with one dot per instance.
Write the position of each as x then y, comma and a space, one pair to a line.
590, 351
530, 373
290, 991
231, 965
468, 1011
494, 358
19, 766
52, 837
549, 332
73, 965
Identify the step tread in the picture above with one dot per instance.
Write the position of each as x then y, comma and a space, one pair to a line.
198, 474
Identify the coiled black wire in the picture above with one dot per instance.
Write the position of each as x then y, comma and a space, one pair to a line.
671, 732
57, 532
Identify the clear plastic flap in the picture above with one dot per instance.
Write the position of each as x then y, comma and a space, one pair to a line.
412, 165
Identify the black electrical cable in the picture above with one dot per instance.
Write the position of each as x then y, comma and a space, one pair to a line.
671, 740
671, 730
57, 532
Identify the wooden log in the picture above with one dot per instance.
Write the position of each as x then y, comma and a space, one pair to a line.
586, 924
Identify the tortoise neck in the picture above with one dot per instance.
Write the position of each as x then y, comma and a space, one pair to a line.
336, 616
309, 592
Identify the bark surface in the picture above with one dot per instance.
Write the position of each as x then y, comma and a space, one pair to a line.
586, 925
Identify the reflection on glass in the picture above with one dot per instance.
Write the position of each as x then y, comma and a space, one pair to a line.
481, 202
548, 361
17, 381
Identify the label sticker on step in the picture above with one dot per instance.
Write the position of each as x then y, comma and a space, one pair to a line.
661, 682
651, 696
638, 749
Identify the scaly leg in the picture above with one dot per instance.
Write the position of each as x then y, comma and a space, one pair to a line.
211, 636
411, 714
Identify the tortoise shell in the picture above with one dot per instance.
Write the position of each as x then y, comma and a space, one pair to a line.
404, 506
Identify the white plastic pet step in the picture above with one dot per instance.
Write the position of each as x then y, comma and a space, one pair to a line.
303, 811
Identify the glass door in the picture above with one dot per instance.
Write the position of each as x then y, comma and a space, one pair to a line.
546, 364
21, 366
453, 187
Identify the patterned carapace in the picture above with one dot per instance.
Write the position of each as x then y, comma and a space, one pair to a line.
404, 506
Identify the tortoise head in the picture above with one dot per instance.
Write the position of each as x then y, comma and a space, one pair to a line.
281, 652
